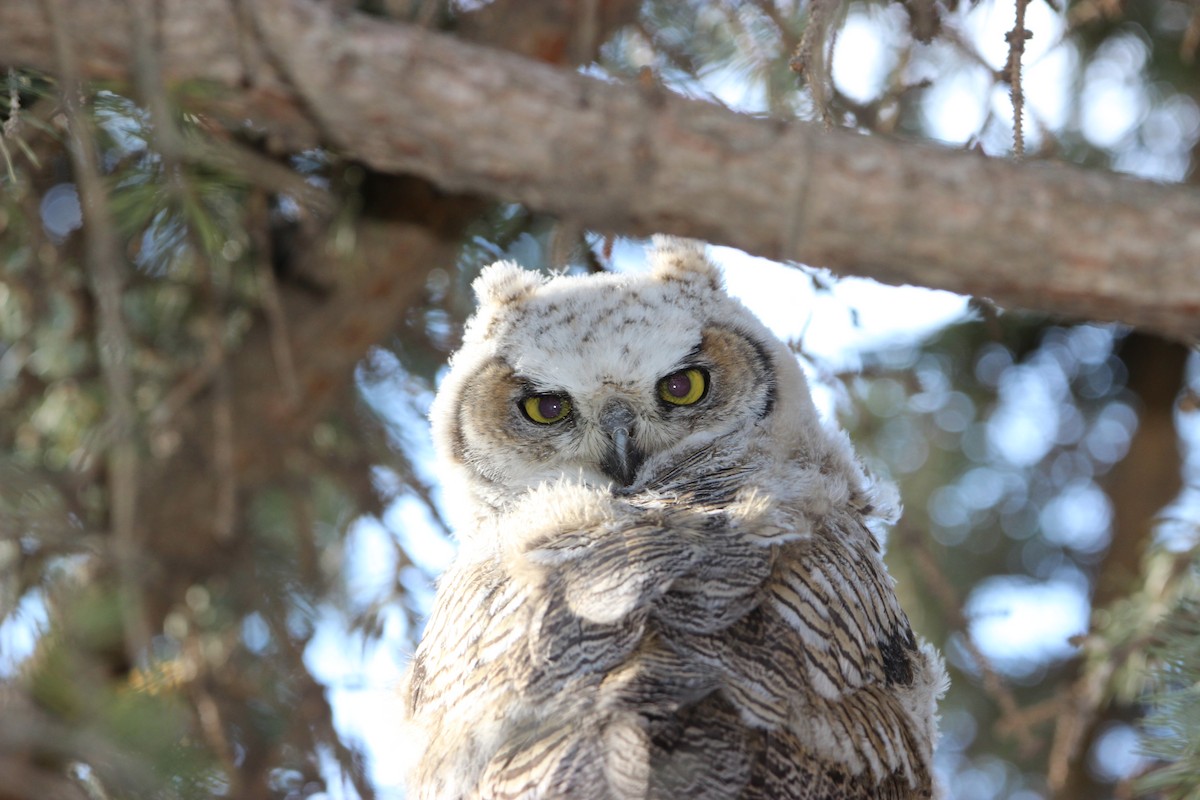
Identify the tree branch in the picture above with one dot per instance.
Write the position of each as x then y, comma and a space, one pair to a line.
103, 260
624, 159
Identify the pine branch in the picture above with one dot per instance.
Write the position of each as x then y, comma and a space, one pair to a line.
1172, 730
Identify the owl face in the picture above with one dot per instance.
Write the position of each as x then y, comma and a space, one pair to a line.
594, 378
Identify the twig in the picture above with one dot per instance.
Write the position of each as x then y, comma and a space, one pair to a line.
1011, 718
811, 58
168, 141
424, 493
14, 104
1082, 706
102, 255
208, 713
233, 157
565, 236
1191, 39
202, 677
272, 305
767, 9
191, 384
316, 713
583, 41
224, 467
1016, 39
675, 58
148, 78
771, 11
1032, 716
9, 129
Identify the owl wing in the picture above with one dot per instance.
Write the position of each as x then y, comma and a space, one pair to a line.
816, 685
828, 669
501, 689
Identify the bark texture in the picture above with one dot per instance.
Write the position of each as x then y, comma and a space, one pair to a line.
635, 159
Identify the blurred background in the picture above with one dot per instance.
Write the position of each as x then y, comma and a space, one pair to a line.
220, 521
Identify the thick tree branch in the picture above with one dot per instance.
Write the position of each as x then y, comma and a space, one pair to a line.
624, 159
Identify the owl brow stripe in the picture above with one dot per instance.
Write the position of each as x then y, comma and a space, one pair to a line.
531, 387
458, 437
763, 359
690, 359
768, 368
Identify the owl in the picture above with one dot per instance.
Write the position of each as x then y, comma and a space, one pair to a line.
669, 582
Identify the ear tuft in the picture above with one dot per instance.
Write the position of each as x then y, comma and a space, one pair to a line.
677, 259
505, 283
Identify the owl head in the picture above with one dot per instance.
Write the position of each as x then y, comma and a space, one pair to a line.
606, 379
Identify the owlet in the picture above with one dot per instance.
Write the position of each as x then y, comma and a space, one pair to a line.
669, 581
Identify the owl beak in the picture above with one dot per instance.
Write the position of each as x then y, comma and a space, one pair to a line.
622, 457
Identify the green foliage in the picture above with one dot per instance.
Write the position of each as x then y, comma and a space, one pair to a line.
165, 720
1172, 728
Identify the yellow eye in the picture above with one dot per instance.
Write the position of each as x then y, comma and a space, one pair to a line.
546, 408
684, 388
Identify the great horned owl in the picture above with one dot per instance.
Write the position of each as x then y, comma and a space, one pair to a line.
669, 583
